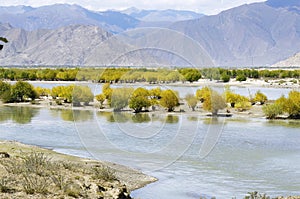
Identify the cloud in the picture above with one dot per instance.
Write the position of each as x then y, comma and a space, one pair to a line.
203, 6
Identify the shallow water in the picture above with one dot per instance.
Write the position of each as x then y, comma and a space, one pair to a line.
191, 156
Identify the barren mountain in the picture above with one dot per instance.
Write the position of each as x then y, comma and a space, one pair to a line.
250, 35
293, 61
59, 15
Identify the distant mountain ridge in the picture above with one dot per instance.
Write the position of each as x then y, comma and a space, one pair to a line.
249, 35
168, 15
59, 15
257, 34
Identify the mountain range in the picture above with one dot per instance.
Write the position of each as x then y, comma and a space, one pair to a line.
258, 34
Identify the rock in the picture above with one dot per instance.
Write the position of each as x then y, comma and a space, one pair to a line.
4, 155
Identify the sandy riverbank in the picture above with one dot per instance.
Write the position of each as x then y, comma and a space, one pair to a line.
74, 171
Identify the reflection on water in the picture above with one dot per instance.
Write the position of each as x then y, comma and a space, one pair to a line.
127, 117
76, 115
18, 114
286, 123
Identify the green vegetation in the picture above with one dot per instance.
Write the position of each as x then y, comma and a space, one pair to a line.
82, 94
212, 100
191, 101
19, 92
139, 100
289, 106
120, 98
153, 76
260, 97
169, 99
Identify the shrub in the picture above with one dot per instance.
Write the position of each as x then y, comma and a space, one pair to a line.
260, 97
104, 173
169, 99
272, 110
191, 101
241, 78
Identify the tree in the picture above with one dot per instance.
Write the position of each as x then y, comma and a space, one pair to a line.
139, 100
203, 93
22, 91
213, 102
107, 92
82, 94
155, 96
260, 97
42, 91
241, 78
120, 98
100, 98
169, 100
292, 106
64, 92
190, 74
5, 92
191, 101
225, 77
272, 110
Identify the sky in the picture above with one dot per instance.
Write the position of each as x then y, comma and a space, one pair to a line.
208, 7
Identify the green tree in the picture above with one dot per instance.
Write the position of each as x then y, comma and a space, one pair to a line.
241, 78
191, 101
225, 77
22, 91
169, 100
292, 106
190, 74
203, 93
155, 96
139, 100
107, 92
82, 94
100, 98
63, 92
42, 91
5, 92
120, 98
213, 102
260, 97
272, 110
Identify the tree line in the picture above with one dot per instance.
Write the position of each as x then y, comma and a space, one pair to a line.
141, 99
129, 75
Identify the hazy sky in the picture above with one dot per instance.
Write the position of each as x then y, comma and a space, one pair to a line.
202, 6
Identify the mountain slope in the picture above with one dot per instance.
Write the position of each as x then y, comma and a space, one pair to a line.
161, 15
59, 15
293, 61
65, 46
255, 34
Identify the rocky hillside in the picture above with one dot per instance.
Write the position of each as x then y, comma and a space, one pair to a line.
255, 34
293, 61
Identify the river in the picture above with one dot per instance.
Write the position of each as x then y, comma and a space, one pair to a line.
191, 155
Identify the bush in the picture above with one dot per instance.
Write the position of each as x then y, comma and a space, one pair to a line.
241, 78
169, 100
225, 77
191, 101
104, 173
272, 111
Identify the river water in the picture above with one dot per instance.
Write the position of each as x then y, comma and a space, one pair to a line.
246, 155
191, 155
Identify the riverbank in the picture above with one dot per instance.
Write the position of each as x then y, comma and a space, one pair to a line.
33, 172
